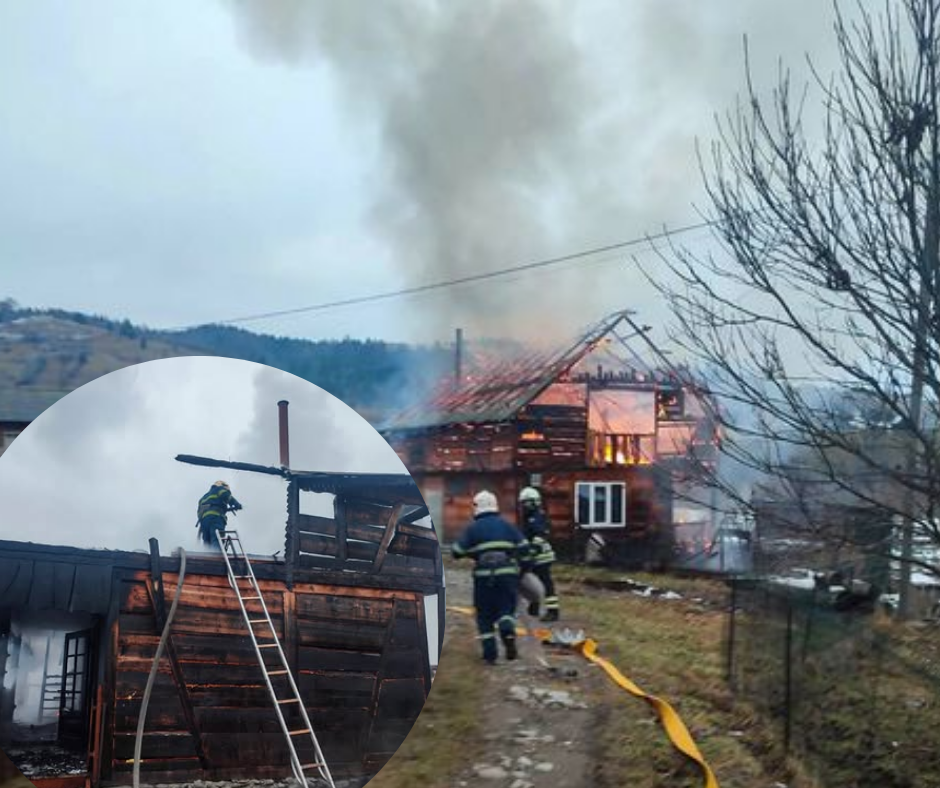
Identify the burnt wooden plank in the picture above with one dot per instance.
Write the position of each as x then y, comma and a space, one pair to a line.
207, 673
404, 664
363, 513
323, 659
319, 545
339, 515
340, 635
291, 545
423, 648
156, 592
400, 699
313, 562
387, 537
289, 606
348, 689
173, 768
216, 622
134, 597
419, 547
131, 684
227, 720
373, 700
155, 589
235, 696
365, 532
317, 525
137, 624
216, 649
343, 608
165, 744
406, 633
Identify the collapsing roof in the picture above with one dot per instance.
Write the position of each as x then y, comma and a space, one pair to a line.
499, 388
381, 488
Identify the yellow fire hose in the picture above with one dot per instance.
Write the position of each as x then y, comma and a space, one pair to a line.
675, 728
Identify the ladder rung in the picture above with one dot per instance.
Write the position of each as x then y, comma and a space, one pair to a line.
289, 700
257, 621
277, 672
267, 645
298, 732
312, 765
246, 598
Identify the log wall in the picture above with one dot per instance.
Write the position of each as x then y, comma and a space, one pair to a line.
359, 657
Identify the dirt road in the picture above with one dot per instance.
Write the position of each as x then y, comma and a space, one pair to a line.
538, 713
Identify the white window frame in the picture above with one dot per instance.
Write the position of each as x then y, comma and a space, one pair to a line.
594, 485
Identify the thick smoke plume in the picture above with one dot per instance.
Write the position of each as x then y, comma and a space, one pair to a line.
511, 131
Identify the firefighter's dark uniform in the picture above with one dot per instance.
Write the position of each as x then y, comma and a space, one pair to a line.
494, 545
212, 510
541, 556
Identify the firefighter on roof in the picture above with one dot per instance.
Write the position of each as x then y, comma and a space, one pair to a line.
212, 511
494, 545
537, 528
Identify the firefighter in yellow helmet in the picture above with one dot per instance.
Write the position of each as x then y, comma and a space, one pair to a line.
212, 512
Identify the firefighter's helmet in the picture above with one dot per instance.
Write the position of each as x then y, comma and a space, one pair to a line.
222, 484
484, 502
530, 495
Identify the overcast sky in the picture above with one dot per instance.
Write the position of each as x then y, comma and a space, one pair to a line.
178, 162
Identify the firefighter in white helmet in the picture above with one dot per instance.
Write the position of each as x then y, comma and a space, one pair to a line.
494, 544
536, 528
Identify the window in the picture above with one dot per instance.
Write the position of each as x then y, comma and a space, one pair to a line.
601, 504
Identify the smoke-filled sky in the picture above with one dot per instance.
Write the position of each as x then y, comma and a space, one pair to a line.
178, 163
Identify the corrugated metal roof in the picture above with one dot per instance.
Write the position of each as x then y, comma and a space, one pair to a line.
24, 404
495, 389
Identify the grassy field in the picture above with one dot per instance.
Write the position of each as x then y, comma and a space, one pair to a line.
674, 649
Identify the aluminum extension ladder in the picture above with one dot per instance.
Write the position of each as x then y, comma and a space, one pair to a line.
235, 557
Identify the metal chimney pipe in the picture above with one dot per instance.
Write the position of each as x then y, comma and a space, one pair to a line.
282, 427
458, 358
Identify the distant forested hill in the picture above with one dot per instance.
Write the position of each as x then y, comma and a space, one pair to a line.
369, 375
46, 349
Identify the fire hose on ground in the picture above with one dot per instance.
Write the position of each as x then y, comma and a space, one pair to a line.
155, 668
672, 723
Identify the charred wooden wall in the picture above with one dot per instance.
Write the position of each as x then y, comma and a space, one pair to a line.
359, 656
551, 437
364, 537
477, 448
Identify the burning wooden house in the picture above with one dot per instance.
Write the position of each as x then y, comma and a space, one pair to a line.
613, 444
79, 631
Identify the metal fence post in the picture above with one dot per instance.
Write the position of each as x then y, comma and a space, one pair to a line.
788, 678
731, 634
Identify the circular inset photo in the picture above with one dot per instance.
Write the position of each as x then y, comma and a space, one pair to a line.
211, 570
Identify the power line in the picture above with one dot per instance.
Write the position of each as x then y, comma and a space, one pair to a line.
463, 280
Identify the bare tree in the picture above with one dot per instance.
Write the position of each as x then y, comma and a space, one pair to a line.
827, 283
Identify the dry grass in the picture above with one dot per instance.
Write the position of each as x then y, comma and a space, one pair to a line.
673, 652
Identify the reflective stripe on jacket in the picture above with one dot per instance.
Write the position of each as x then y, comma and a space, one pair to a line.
493, 544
